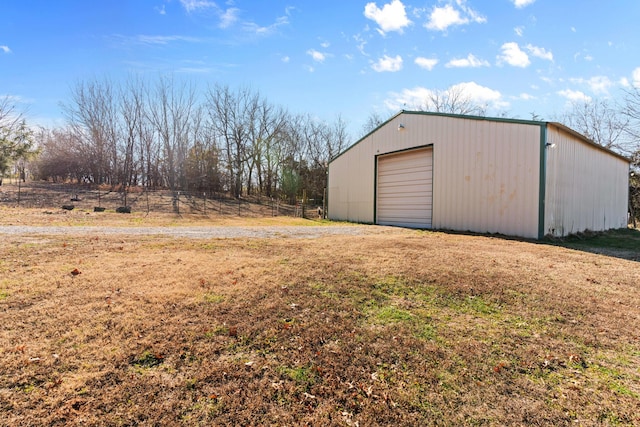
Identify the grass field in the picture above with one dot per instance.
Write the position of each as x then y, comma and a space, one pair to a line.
394, 327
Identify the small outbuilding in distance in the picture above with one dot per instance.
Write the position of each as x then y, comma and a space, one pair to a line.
479, 174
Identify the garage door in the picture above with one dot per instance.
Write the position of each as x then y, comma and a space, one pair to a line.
405, 189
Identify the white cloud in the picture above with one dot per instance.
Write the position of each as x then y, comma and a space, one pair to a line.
361, 43
526, 97
418, 97
636, 77
256, 29
325, 44
522, 3
600, 84
426, 63
473, 15
512, 55
285, 59
624, 82
193, 5
392, 16
539, 52
409, 98
5, 49
469, 62
574, 95
231, 16
317, 56
444, 17
161, 10
194, 70
597, 84
480, 94
14, 99
387, 63
163, 40
519, 31
228, 17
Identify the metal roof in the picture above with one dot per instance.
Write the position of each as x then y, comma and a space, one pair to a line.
492, 119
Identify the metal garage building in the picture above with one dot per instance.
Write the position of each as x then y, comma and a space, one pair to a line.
488, 175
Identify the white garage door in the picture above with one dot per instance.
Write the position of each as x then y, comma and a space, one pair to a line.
405, 189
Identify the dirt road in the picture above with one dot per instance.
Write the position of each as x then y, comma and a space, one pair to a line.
201, 232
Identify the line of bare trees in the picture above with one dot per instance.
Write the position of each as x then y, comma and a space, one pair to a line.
168, 134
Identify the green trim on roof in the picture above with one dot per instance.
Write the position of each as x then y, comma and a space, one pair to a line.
490, 119
587, 141
470, 117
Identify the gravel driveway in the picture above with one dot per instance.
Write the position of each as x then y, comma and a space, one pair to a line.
220, 232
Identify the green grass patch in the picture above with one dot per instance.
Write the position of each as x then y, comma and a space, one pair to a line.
303, 374
148, 359
426, 331
622, 239
213, 298
614, 379
389, 314
3, 295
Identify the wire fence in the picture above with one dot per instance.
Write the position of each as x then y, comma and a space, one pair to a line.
140, 199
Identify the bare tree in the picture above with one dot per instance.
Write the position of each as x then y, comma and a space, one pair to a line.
313, 144
92, 115
453, 101
600, 122
61, 156
169, 111
266, 134
231, 118
203, 160
132, 113
631, 111
9, 117
373, 122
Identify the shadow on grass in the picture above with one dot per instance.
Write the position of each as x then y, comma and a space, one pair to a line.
621, 243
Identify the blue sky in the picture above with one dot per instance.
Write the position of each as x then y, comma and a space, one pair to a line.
327, 57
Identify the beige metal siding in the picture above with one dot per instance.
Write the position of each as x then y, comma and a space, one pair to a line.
486, 174
586, 188
351, 186
486, 177
404, 189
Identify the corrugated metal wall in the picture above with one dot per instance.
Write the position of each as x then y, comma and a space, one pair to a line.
486, 177
351, 185
586, 188
485, 173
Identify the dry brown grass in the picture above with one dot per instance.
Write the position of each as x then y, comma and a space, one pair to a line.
395, 327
